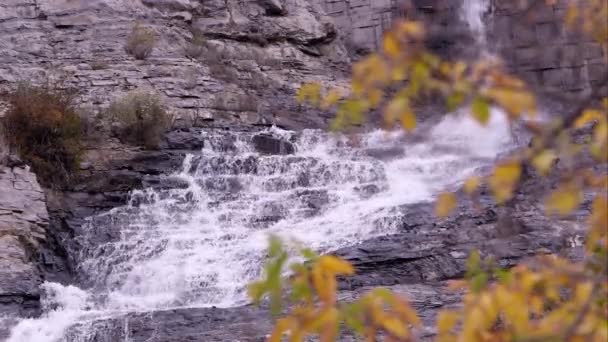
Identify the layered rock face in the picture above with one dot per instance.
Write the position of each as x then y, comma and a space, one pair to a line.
536, 44
363, 22
23, 223
243, 67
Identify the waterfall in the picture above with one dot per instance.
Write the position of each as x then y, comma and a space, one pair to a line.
472, 12
200, 243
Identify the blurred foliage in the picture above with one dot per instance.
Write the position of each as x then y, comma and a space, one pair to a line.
42, 124
546, 299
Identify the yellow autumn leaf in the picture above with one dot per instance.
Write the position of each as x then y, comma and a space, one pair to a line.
515, 102
329, 325
332, 97
334, 265
408, 120
393, 110
375, 96
473, 324
446, 320
583, 292
320, 284
395, 327
503, 180
588, 116
446, 202
405, 310
471, 184
309, 92
564, 200
411, 29
282, 326
391, 46
599, 217
600, 134
543, 162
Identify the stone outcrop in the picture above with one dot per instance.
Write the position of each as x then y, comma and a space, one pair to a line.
249, 57
23, 223
362, 23
537, 45
534, 41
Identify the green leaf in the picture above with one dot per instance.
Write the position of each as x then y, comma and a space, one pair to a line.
479, 281
473, 264
454, 101
480, 110
257, 290
309, 254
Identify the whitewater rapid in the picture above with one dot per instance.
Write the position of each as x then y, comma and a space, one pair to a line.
199, 244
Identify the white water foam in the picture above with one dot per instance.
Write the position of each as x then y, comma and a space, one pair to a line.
472, 12
198, 245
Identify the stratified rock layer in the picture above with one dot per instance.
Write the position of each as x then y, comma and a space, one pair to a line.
23, 223
215, 62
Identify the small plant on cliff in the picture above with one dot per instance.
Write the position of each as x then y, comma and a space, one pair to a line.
140, 42
195, 48
140, 118
42, 124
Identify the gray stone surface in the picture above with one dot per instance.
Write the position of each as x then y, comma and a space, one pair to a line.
537, 45
23, 220
256, 54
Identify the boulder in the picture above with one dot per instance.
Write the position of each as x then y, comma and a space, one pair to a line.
273, 7
268, 144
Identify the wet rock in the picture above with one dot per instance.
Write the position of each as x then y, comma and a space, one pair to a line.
312, 201
385, 153
273, 7
249, 50
268, 144
185, 140
209, 324
367, 190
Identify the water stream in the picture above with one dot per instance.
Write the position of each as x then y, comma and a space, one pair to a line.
198, 245
473, 13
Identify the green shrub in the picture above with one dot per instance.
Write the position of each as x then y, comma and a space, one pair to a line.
140, 42
140, 118
42, 124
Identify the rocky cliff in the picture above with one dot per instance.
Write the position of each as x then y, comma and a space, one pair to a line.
249, 56
23, 223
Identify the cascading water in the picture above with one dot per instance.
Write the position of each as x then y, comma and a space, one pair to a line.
198, 245
472, 12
